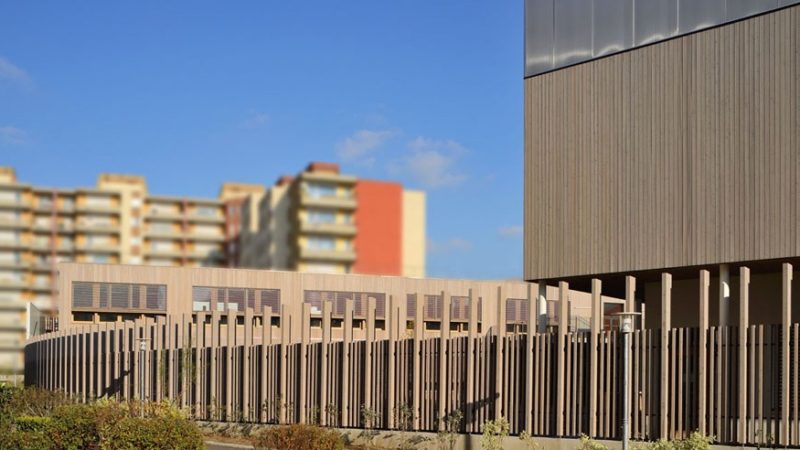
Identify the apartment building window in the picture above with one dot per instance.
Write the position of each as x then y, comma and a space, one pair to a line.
9, 216
161, 227
207, 230
320, 243
68, 203
161, 246
10, 196
9, 275
206, 211
9, 257
101, 259
317, 216
98, 201
320, 190
9, 236
45, 201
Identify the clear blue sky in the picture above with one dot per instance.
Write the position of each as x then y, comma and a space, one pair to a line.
192, 94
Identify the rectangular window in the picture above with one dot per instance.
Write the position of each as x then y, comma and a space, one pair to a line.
320, 190
235, 299
321, 243
318, 216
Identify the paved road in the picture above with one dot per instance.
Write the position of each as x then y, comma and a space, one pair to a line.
211, 445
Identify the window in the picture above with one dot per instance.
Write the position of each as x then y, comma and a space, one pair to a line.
206, 211
235, 299
320, 190
321, 243
316, 217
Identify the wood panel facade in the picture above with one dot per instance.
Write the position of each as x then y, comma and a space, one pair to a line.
682, 153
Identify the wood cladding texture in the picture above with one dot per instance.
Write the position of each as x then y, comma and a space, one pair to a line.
678, 154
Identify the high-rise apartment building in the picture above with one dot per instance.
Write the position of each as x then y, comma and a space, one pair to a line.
315, 221
323, 221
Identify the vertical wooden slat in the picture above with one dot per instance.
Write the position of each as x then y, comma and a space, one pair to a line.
391, 318
472, 356
595, 329
666, 323
702, 375
563, 325
305, 360
744, 321
786, 321
348, 339
500, 333
444, 338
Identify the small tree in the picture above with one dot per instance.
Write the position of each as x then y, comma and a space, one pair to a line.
530, 444
448, 434
494, 433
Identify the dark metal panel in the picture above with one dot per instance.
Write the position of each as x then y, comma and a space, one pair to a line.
612, 26
742, 8
573, 26
698, 14
654, 20
539, 36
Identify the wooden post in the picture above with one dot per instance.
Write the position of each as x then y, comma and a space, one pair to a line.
368, 361
596, 329
702, 373
563, 328
744, 323
305, 336
532, 324
471, 356
286, 325
786, 316
542, 306
390, 317
246, 363
724, 295
348, 339
500, 333
199, 361
666, 324
324, 389
230, 346
444, 337
419, 329
214, 397
266, 344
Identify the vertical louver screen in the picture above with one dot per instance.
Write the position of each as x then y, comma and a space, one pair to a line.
360, 299
235, 299
118, 296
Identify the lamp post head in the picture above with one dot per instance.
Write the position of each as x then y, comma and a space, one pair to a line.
626, 321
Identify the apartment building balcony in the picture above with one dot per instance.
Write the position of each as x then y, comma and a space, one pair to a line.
203, 237
215, 255
6, 203
201, 218
164, 253
328, 177
42, 266
328, 255
164, 216
97, 228
98, 247
333, 201
42, 287
339, 229
12, 284
97, 208
12, 224
47, 247
164, 234
8, 305
14, 265
13, 244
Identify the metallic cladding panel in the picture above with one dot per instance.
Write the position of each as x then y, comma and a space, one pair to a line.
655, 20
743, 8
612, 26
695, 15
539, 38
573, 31
559, 33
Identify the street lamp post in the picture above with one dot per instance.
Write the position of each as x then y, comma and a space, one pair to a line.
142, 350
626, 328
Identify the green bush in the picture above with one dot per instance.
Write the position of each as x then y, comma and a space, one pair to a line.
152, 433
25, 440
33, 423
75, 427
695, 441
494, 433
588, 443
298, 437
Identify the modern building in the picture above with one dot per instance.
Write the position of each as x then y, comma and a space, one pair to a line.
321, 224
663, 135
325, 222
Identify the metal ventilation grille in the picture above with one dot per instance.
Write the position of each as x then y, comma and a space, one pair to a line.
82, 295
411, 305
516, 310
432, 309
118, 296
459, 308
338, 298
206, 298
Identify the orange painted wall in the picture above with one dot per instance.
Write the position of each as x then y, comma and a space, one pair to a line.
378, 242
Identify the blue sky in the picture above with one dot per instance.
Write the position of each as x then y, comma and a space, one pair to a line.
192, 94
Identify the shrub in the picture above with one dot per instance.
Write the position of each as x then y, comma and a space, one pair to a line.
588, 443
494, 432
75, 427
298, 437
528, 441
26, 440
152, 433
37, 424
695, 441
